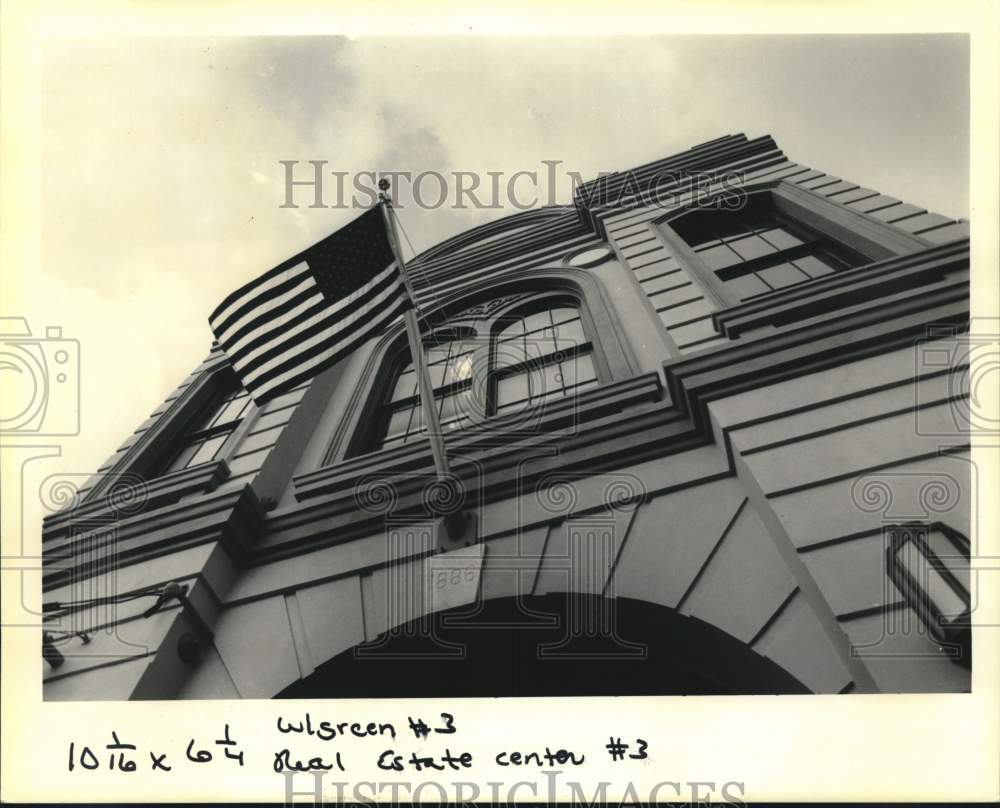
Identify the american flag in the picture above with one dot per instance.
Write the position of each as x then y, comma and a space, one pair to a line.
310, 311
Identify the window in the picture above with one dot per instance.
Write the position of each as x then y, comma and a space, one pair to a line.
449, 364
209, 429
754, 250
494, 359
540, 355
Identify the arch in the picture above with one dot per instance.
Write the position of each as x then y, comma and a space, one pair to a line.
508, 225
613, 352
523, 647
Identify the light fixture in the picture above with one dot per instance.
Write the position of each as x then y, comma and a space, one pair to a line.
50, 653
931, 587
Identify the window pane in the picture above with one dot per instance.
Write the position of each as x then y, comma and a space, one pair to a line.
782, 275
399, 421
562, 315
541, 343
718, 257
208, 450
512, 329
183, 456
437, 363
553, 380
558, 377
755, 216
752, 247
701, 227
232, 409
570, 332
781, 238
813, 266
509, 352
747, 286
459, 368
209, 417
512, 391
455, 406
536, 321
406, 386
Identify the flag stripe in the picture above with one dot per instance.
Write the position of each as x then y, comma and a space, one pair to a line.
262, 371
261, 311
264, 332
242, 298
306, 370
270, 317
285, 338
284, 327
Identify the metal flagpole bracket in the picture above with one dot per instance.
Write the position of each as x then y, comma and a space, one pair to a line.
461, 529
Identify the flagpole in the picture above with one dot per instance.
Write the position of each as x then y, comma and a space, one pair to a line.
426, 390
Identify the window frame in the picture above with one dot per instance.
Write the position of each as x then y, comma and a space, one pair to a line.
508, 315
368, 437
851, 230
227, 389
403, 360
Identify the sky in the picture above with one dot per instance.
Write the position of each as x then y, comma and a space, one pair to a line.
162, 187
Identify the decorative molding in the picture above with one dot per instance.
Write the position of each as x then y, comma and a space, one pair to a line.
848, 288
129, 494
233, 518
557, 418
487, 308
589, 256
803, 348
859, 231
611, 350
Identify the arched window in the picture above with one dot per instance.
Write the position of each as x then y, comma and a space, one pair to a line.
494, 359
539, 353
449, 363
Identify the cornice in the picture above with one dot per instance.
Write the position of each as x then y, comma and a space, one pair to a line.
796, 350
848, 288
233, 518
129, 494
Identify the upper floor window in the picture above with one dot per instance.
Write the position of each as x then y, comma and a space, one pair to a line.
449, 364
208, 430
494, 359
756, 249
538, 354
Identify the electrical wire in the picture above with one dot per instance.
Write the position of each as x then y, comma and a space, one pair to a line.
60, 608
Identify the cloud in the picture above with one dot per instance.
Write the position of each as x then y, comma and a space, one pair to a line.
162, 186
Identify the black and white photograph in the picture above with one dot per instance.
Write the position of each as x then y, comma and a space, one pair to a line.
344, 370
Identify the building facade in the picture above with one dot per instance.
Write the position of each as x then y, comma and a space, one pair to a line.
708, 434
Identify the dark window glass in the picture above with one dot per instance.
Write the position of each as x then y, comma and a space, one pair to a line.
203, 439
756, 249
